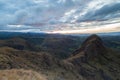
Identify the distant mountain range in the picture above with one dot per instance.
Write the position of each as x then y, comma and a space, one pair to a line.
31, 34
100, 34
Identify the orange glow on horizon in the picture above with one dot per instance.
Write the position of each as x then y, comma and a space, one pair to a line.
106, 28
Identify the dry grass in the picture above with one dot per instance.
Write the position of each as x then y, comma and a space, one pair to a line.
81, 54
20, 75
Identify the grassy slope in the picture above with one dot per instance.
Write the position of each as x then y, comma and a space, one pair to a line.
41, 62
107, 68
21, 74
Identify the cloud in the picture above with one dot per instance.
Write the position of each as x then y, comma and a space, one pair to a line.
94, 10
105, 12
95, 29
108, 9
34, 11
49, 15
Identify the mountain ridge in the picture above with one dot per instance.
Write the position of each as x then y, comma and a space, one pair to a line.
95, 59
91, 61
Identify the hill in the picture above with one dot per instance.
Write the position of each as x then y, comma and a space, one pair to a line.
60, 46
48, 65
95, 61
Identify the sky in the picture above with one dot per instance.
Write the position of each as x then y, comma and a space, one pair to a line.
60, 16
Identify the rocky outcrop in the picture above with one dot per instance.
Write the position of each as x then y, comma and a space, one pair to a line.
91, 49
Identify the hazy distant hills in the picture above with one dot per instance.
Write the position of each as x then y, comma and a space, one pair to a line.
60, 57
100, 34
110, 34
60, 43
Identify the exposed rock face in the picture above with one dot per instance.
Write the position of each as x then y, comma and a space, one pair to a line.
91, 49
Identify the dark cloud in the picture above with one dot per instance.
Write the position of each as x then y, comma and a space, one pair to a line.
104, 13
108, 9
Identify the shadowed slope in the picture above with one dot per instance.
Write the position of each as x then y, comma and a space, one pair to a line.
91, 49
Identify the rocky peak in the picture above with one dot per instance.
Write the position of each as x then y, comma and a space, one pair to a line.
91, 48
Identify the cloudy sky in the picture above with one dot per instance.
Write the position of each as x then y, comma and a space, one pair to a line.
60, 16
